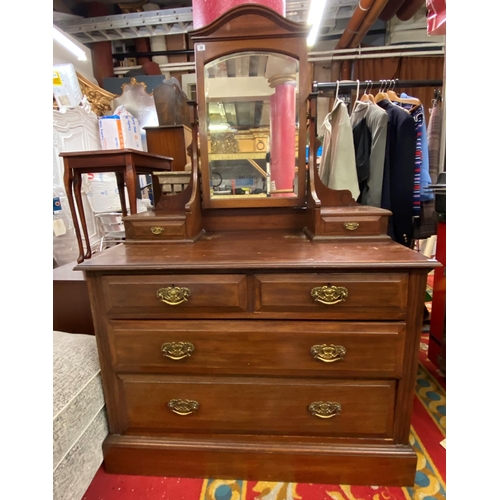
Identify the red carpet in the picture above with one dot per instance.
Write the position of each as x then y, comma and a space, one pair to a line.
428, 431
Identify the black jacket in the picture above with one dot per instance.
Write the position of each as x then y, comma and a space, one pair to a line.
399, 172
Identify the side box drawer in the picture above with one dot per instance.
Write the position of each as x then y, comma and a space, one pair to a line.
312, 348
156, 403
335, 296
146, 230
166, 296
354, 226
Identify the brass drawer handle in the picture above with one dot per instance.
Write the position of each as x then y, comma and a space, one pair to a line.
351, 226
324, 409
177, 350
328, 353
183, 406
173, 295
329, 294
157, 230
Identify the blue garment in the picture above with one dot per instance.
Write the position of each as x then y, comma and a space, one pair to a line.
421, 129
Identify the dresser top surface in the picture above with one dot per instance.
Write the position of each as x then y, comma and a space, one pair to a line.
266, 250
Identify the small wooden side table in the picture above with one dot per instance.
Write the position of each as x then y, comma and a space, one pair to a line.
127, 164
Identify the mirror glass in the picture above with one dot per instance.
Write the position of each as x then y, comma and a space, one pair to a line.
252, 125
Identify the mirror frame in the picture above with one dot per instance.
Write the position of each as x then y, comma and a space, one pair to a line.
243, 29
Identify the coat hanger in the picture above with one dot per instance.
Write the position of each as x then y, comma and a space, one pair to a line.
357, 98
335, 99
437, 97
381, 94
366, 95
390, 91
405, 100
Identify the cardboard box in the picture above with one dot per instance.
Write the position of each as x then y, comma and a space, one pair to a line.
66, 87
120, 131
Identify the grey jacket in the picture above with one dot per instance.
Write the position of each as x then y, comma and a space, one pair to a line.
376, 120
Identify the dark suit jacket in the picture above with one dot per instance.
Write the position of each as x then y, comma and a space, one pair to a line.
399, 172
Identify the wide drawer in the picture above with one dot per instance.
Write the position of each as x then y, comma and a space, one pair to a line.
258, 405
146, 296
333, 295
328, 349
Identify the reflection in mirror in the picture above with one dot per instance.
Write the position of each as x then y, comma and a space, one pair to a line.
252, 123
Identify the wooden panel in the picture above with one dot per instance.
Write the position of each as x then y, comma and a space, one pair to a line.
70, 301
370, 296
272, 250
170, 140
259, 405
273, 460
259, 347
135, 296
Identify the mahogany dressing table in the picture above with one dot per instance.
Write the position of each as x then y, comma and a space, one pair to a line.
270, 335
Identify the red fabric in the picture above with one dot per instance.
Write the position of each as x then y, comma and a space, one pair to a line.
436, 17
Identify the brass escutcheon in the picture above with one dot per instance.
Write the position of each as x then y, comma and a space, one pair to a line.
324, 409
177, 350
173, 295
157, 230
351, 226
328, 353
183, 406
329, 294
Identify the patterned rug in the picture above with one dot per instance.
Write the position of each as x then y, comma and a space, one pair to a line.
428, 432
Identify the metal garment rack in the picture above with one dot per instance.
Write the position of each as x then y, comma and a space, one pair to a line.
353, 84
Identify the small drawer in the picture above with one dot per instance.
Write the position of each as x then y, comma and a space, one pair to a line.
314, 349
173, 295
331, 295
161, 229
354, 226
276, 406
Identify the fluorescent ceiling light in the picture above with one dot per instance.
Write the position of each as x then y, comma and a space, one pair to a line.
316, 9
60, 37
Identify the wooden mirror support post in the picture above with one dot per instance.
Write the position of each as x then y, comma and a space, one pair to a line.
333, 214
176, 217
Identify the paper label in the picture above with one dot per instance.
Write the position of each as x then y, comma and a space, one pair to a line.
59, 227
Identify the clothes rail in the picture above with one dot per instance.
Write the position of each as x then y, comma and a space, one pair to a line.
353, 84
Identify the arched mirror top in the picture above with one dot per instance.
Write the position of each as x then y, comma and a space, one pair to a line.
252, 82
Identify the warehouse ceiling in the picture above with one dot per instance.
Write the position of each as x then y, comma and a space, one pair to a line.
383, 24
126, 18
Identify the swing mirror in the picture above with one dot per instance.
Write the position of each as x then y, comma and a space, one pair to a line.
251, 94
252, 125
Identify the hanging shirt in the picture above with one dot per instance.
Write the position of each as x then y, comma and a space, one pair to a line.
427, 224
422, 158
337, 168
376, 120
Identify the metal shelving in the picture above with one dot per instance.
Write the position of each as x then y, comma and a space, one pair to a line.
175, 21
